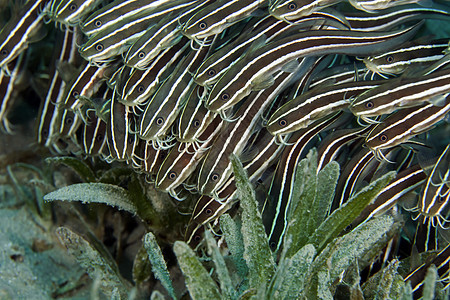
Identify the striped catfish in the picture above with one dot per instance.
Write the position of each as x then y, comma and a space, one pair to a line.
217, 16
68, 125
119, 11
158, 38
390, 18
165, 105
207, 209
70, 12
9, 89
216, 167
402, 125
400, 93
120, 132
84, 83
194, 119
115, 40
290, 10
277, 205
20, 30
411, 54
255, 71
354, 171
417, 277
146, 159
265, 31
435, 195
404, 182
94, 135
180, 164
333, 143
305, 109
372, 6
50, 110
139, 85
339, 74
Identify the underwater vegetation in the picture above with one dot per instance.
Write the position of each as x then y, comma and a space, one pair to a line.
238, 149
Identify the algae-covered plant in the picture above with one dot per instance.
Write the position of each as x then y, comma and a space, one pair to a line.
320, 257
235, 149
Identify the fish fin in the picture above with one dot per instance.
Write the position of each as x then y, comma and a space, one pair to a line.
426, 3
337, 15
291, 66
260, 12
258, 43
66, 70
439, 100
248, 155
409, 200
262, 83
37, 34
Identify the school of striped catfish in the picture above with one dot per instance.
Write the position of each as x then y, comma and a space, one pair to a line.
172, 88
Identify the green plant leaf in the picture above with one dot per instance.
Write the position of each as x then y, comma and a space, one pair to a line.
198, 281
226, 285
235, 243
364, 241
345, 214
159, 266
429, 283
95, 193
144, 207
142, 268
326, 185
385, 284
289, 279
407, 293
257, 251
301, 201
98, 267
80, 167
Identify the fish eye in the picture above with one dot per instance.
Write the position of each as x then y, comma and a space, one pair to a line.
196, 123
383, 138
99, 137
73, 7
225, 96
208, 211
75, 93
159, 121
69, 120
292, 6
98, 23
214, 177
389, 58
211, 72
5, 52
172, 175
141, 54
197, 238
202, 25
282, 122
369, 104
99, 47
45, 133
272, 245
140, 88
